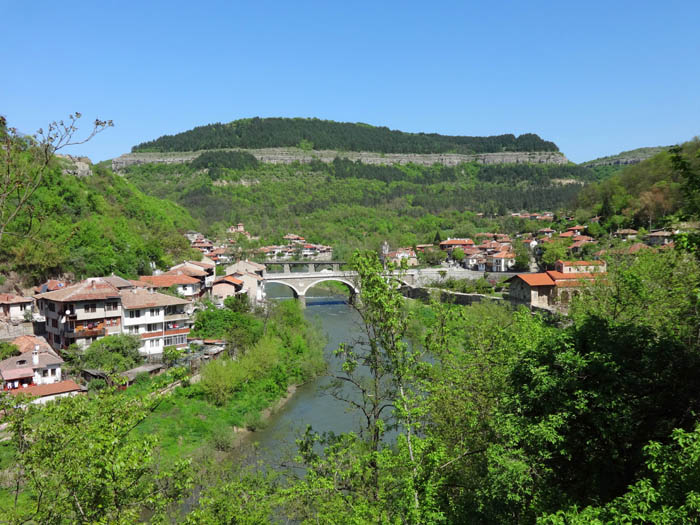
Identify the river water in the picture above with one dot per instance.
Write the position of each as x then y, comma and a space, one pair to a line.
312, 404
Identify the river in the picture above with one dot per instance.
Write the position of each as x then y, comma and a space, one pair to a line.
311, 404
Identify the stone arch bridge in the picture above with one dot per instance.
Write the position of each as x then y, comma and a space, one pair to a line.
301, 276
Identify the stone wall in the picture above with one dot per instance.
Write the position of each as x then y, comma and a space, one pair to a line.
290, 155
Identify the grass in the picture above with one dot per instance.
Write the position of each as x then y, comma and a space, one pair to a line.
185, 421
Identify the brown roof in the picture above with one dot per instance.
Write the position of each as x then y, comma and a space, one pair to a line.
140, 298
168, 280
255, 276
26, 361
202, 264
118, 282
17, 373
61, 387
92, 289
559, 276
26, 343
9, 298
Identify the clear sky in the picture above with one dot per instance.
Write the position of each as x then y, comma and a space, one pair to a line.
594, 77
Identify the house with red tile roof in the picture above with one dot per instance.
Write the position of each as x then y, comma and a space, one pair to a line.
451, 244
38, 365
183, 284
226, 286
159, 320
554, 289
14, 307
48, 392
80, 313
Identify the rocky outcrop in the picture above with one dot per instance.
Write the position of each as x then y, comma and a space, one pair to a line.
291, 155
78, 166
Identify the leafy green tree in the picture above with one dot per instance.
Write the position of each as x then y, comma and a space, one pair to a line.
552, 252
458, 255
238, 303
25, 160
668, 493
114, 353
8, 350
80, 461
171, 354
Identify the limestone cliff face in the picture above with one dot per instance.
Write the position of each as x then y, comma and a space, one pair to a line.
290, 155
78, 166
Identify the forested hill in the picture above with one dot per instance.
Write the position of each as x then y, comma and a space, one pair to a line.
329, 135
652, 192
93, 225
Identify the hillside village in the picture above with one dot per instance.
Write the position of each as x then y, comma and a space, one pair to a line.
160, 309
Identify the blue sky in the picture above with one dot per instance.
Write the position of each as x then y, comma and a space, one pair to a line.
594, 77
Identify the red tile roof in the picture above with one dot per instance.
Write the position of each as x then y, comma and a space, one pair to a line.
536, 279
168, 280
9, 298
457, 242
26, 343
61, 387
229, 279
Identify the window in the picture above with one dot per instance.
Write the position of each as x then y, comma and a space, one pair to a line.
134, 314
53, 371
153, 328
153, 343
155, 312
90, 308
111, 306
52, 307
44, 373
54, 323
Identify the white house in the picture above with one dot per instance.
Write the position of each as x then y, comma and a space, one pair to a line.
14, 307
159, 320
40, 366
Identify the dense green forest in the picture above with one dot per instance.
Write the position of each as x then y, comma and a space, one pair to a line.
91, 226
352, 204
651, 193
326, 134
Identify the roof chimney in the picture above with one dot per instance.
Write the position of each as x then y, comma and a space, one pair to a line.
35, 355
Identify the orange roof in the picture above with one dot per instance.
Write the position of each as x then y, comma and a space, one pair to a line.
168, 280
567, 234
536, 279
457, 242
61, 387
229, 279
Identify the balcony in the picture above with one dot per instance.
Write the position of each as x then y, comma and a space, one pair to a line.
176, 316
87, 332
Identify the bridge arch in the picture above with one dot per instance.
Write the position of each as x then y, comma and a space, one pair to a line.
351, 286
296, 292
